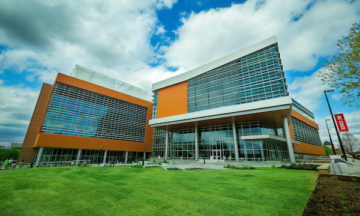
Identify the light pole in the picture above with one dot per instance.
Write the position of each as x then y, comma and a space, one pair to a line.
332, 144
143, 162
332, 116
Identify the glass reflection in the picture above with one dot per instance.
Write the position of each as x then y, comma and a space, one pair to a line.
216, 142
182, 144
77, 112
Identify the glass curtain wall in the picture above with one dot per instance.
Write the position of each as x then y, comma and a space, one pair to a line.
155, 102
263, 150
305, 133
182, 144
216, 142
76, 112
260, 150
58, 155
115, 157
275, 150
158, 143
63, 156
97, 156
257, 128
92, 156
255, 77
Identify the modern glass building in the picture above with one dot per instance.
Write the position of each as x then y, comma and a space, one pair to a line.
234, 108
77, 120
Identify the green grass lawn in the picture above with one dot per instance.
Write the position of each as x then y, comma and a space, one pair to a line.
153, 191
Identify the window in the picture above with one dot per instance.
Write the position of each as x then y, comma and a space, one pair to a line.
251, 78
76, 112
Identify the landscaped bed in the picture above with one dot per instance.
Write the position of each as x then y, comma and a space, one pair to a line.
335, 195
154, 191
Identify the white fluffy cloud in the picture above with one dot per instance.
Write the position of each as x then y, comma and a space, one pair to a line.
16, 107
114, 36
50, 36
46, 37
308, 90
306, 30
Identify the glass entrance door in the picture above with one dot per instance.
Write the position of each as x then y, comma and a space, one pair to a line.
216, 154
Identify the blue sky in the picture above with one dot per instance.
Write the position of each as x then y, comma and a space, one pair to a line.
141, 42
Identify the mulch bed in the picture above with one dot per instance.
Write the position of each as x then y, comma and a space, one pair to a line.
335, 195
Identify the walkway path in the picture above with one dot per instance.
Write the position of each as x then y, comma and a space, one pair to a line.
219, 164
341, 167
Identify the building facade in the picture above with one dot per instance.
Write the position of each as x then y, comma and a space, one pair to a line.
77, 120
234, 108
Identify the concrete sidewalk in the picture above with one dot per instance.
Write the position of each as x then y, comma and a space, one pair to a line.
349, 168
217, 164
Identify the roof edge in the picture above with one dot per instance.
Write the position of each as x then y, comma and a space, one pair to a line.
92, 76
214, 64
99, 89
226, 111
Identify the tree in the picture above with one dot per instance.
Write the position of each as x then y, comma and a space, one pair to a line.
342, 71
350, 142
12, 153
328, 151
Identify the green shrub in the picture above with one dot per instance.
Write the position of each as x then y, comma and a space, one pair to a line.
242, 167
82, 164
228, 166
301, 166
292, 166
9, 153
247, 168
173, 168
314, 166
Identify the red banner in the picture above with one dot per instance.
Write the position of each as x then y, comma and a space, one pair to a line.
341, 123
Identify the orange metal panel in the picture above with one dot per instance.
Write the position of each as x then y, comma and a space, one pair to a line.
172, 100
304, 119
148, 130
291, 131
306, 148
63, 141
27, 150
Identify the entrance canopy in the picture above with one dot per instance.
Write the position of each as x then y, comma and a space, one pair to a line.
273, 118
271, 111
